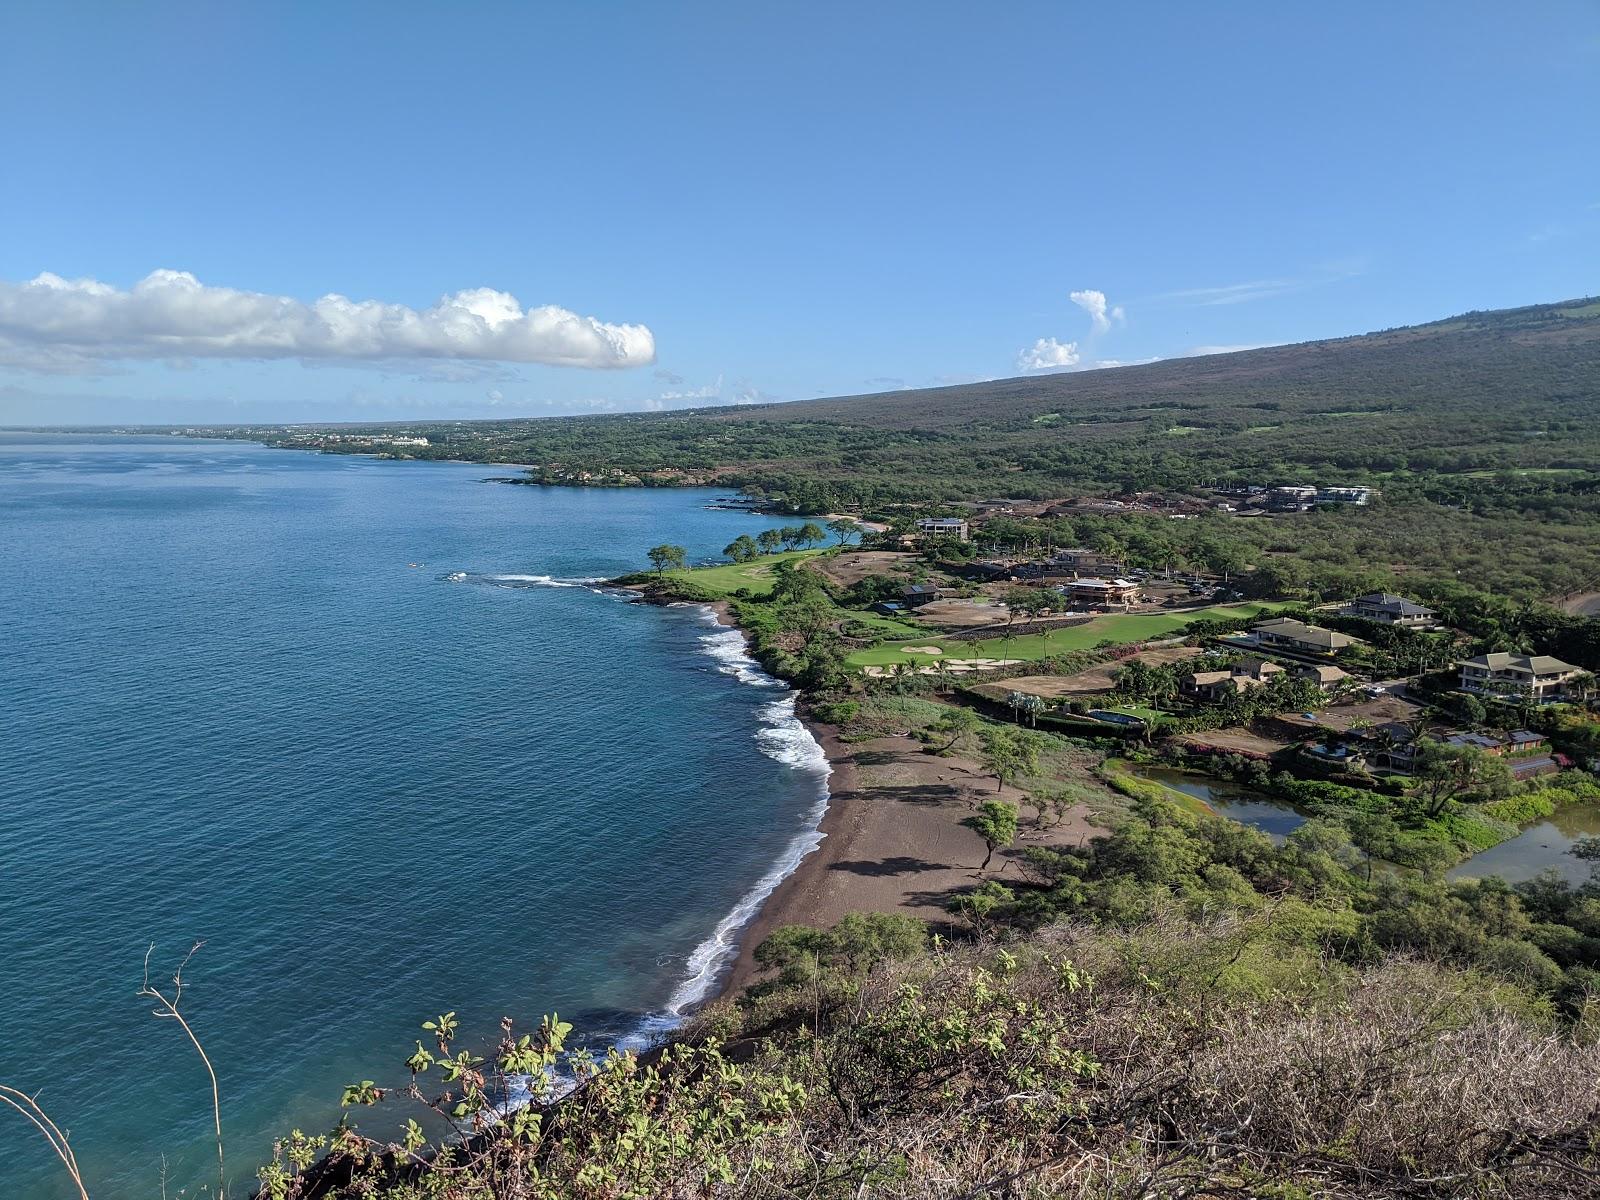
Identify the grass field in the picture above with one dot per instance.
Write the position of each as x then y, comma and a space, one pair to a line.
1115, 627
728, 578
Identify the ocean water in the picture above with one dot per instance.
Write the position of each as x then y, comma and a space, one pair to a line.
361, 728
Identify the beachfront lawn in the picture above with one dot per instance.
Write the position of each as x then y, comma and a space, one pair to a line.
1118, 628
727, 578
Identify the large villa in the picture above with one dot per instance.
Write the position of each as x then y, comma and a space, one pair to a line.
1541, 678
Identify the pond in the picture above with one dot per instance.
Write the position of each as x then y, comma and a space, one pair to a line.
1537, 847
1274, 818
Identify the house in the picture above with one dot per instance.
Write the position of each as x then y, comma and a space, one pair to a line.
1325, 676
1294, 498
1518, 741
915, 595
1543, 764
1392, 746
1342, 756
1300, 638
1538, 678
944, 527
1345, 495
1385, 609
1486, 742
985, 570
1241, 677
1079, 561
888, 608
1102, 593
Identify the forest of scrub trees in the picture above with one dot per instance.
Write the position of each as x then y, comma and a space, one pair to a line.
1481, 431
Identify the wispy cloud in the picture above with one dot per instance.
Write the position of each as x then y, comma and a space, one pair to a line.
1236, 293
51, 323
1264, 289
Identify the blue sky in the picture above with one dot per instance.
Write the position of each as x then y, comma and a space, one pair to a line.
752, 200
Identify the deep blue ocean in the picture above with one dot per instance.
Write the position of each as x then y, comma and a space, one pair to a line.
353, 724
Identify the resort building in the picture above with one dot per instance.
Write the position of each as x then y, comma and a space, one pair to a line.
1539, 678
944, 527
1299, 638
1385, 609
1241, 677
1101, 593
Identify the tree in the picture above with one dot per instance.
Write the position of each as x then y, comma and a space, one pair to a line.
957, 723
742, 549
843, 528
996, 823
790, 535
1445, 773
769, 540
667, 557
810, 534
857, 943
1025, 702
1009, 754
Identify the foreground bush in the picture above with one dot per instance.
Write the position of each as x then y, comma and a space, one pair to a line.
1173, 1059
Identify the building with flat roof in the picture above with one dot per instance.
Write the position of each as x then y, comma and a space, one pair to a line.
943, 527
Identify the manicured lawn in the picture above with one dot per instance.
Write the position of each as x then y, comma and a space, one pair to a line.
728, 578
1151, 715
1114, 627
888, 625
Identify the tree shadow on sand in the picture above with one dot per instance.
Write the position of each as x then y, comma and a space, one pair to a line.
901, 864
918, 793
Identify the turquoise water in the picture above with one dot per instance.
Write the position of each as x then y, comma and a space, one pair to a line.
350, 723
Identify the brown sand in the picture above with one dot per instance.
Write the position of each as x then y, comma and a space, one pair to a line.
894, 842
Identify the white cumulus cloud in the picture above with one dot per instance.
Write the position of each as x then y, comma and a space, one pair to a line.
1101, 313
1047, 354
54, 323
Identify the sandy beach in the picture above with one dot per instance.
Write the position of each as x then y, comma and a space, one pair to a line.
893, 841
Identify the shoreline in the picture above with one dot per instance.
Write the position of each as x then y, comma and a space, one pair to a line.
783, 905
892, 839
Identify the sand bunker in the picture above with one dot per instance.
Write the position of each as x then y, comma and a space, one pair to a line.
922, 649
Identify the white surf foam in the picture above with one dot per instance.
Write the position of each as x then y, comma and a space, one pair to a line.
544, 580
784, 738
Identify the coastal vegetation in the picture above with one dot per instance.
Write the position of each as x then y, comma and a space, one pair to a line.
1473, 428
1246, 1051
1113, 990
